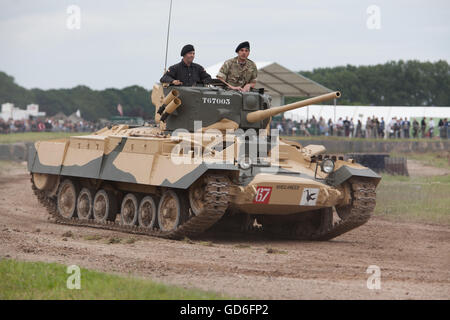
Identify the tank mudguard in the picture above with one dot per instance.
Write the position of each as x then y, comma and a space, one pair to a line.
345, 172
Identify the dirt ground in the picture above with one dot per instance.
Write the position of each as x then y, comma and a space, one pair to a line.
414, 258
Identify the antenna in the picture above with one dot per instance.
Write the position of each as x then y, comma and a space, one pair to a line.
167, 42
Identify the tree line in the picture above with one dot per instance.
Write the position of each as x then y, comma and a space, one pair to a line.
395, 83
93, 104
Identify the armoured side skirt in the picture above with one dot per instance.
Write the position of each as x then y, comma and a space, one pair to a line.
104, 167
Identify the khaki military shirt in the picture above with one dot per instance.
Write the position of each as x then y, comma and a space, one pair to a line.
236, 74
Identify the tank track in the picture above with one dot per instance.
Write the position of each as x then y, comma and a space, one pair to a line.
217, 198
359, 212
352, 216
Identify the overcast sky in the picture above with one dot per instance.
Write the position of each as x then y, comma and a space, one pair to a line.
122, 43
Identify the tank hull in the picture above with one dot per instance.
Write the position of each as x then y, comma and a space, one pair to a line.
107, 179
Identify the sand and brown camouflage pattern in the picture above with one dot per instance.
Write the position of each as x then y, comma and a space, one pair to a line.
137, 159
287, 182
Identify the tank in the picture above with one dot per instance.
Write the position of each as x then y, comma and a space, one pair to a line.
210, 162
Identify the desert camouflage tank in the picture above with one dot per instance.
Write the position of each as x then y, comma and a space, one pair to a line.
211, 161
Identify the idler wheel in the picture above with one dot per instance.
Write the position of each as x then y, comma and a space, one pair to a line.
105, 206
67, 198
197, 195
129, 210
47, 182
171, 210
84, 204
147, 212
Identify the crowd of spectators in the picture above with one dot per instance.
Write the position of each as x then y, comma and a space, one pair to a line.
47, 125
372, 128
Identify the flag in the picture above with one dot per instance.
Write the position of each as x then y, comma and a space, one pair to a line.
119, 108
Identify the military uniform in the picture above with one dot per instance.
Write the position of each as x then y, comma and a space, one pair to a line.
189, 75
236, 74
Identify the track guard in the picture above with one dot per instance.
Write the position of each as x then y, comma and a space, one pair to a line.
345, 172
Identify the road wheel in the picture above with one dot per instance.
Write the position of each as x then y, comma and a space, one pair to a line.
129, 210
67, 198
147, 212
171, 210
84, 204
105, 206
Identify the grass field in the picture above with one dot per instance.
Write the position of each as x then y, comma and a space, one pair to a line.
39, 280
434, 159
422, 199
35, 136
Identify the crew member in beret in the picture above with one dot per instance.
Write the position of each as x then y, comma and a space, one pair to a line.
240, 72
186, 72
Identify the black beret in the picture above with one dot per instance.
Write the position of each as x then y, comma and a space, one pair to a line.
244, 44
187, 48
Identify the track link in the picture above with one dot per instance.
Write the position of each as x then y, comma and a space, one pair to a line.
217, 198
357, 214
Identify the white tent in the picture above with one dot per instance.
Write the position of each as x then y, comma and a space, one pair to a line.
362, 112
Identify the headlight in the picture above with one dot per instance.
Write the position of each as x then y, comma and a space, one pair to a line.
327, 165
245, 163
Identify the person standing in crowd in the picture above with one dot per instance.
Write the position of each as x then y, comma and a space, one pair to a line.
441, 128
381, 128
314, 126
373, 127
431, 127
330, 127
368, 128
352, 128
415, 128
394, 127
359, 129
406, 125
322, 126
280, 128
423, 126
400, 124
377, 128
339, 126
294, 129
346, 127
446, 126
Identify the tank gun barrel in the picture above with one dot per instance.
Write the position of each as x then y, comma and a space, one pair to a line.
263, 114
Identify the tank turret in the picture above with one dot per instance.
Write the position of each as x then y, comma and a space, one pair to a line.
220, 108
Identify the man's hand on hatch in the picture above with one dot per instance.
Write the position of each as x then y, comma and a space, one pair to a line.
247, 87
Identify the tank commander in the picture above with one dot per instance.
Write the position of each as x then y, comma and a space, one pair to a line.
186, 72
239, 73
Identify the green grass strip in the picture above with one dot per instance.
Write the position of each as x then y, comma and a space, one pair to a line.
36, 136
39, 280
421, 199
